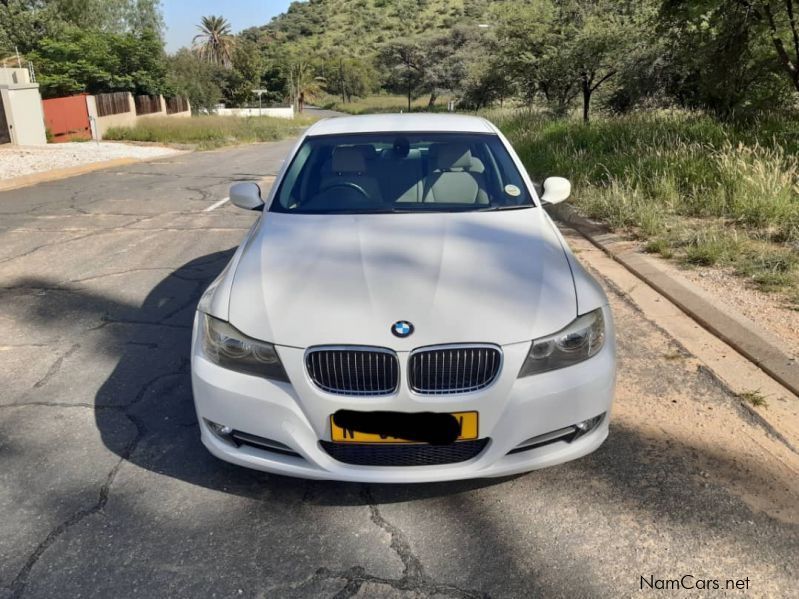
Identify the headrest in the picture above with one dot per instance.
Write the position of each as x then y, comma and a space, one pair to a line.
477, 166
391, 154
447, 156
347, 160
367, 150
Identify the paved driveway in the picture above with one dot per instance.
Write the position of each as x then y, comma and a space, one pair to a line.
106, 491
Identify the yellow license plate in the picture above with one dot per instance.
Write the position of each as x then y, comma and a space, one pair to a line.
467, 420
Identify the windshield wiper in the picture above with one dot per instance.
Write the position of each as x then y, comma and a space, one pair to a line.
498, 208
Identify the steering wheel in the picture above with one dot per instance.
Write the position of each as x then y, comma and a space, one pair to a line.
350, 185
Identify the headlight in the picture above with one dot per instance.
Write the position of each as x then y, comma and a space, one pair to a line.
582, 339
227, 347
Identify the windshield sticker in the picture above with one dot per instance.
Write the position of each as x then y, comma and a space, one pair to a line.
513, 191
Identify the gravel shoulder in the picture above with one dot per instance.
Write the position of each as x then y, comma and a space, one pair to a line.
18, 161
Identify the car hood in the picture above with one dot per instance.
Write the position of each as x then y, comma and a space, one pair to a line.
494, 277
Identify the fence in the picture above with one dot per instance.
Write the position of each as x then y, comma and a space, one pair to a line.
177, 104
121, 109
112, 103
147, 104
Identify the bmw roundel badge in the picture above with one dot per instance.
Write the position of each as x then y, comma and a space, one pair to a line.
402, 328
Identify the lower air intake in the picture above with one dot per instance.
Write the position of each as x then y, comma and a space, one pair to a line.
403, 454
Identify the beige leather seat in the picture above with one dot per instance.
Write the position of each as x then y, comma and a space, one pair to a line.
401, 176
456, 177
348, 165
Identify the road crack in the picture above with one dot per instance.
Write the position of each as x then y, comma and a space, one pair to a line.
56, 366
413, 575
21, 580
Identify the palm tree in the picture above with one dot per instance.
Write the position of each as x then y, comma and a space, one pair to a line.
214, 43
303, 84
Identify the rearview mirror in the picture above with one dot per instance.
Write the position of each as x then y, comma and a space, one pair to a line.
246, 195
556, 190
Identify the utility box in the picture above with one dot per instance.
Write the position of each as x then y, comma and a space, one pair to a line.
21, 115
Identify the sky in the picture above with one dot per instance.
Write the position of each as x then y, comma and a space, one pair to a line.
182, 16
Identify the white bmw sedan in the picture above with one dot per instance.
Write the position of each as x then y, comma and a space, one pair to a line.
404, 310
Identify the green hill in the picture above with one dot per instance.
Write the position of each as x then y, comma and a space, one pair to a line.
359, 26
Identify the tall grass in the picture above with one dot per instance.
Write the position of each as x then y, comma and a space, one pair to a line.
208, 132
704, 191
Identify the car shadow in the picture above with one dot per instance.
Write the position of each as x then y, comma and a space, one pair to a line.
151, 385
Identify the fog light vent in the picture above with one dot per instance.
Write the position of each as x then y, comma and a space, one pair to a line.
568, 434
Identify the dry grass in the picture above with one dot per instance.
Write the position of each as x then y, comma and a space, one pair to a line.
208, 132
694, 189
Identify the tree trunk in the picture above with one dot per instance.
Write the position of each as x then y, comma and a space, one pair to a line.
432, 101
785, 58
409, 93
587, 91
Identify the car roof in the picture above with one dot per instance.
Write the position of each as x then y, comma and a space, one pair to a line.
411, 122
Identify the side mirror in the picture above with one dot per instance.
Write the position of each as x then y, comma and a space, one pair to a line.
556, 190
247, 196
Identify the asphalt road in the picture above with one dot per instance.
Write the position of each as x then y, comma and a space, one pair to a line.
106, 491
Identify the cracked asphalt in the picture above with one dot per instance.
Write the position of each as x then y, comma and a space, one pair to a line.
106, 491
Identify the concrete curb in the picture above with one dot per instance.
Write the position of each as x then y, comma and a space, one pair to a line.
741, 333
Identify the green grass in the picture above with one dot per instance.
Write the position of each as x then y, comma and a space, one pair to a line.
754, 398
704, 192
384, 104
208, 132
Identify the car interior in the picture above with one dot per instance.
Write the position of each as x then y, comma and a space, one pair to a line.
401, 175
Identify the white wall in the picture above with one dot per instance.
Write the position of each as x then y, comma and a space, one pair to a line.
281, 113
23, 107
10, 76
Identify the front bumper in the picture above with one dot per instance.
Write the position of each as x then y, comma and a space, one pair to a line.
511, 411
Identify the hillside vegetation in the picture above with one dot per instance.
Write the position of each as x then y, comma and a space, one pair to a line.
358, 27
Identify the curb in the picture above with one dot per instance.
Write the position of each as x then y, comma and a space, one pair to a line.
741, 333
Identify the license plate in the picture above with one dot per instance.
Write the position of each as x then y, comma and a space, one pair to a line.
467, 421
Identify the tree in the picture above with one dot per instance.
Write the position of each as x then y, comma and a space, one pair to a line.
23, 23
567, 48
533, 52
723, 54
96, 62
603, 40
404, 62
215, 41
245, 73
787, 52
303, 82
348, 77
196, 79
447, 59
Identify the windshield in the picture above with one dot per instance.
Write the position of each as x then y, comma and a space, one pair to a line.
407, 172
